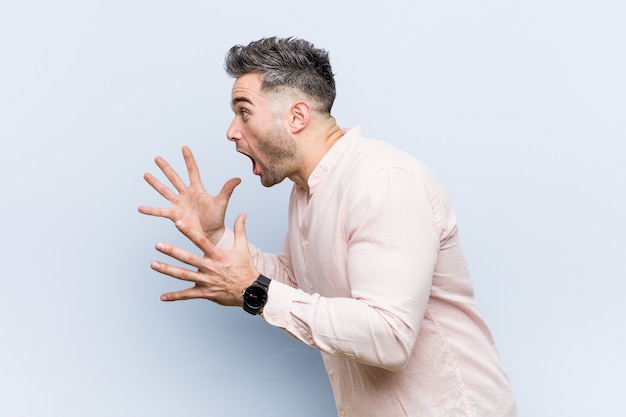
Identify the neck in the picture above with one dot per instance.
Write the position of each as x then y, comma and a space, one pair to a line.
315, 141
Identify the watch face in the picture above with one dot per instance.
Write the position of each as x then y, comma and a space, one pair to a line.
255, 297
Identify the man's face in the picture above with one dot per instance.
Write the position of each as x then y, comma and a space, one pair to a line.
259, 131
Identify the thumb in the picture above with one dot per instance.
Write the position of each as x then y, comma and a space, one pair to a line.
239, 230
227, 190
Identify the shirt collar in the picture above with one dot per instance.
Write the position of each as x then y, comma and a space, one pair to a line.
332, 156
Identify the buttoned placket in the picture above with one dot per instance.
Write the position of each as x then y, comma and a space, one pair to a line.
302, 199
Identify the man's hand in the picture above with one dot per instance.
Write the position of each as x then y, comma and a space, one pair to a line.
193, 208
221, 276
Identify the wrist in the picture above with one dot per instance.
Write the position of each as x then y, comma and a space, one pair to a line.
216, 235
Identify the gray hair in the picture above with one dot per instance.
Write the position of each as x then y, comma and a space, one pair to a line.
286, 62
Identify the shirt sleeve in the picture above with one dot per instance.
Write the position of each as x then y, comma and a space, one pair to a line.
393, 240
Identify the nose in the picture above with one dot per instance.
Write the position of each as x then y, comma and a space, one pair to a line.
233, 133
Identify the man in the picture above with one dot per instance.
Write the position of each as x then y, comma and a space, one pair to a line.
371, 272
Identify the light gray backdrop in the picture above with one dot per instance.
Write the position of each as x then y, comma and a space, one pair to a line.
517, 106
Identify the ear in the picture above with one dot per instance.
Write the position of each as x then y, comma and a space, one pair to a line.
299, 116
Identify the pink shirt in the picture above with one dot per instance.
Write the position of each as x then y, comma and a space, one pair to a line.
372, 274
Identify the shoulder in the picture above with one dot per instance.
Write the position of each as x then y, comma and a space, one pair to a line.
365, 155
376, 170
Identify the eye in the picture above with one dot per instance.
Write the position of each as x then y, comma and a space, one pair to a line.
244, 113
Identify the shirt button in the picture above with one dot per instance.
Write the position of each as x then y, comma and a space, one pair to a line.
331, 372
305, 242
311, 342
342, 411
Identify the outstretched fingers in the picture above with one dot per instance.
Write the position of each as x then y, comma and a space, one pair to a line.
154, 211
188, 294
174, 271
198, 238
171, 174
192, 166
159, 187
179, 273
181, 255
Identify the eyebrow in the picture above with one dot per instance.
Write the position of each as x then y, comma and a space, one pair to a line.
240, 99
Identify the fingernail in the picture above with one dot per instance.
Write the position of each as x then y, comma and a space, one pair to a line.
155, 265
180, 224
160, 246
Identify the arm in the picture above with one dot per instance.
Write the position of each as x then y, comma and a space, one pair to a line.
392, 243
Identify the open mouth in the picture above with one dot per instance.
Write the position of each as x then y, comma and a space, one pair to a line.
254, 164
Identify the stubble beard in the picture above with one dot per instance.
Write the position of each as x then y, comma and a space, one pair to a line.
281, 154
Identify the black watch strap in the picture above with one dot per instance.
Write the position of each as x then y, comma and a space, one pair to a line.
263, 281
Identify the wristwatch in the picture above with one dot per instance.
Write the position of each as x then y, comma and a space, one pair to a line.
255, 296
